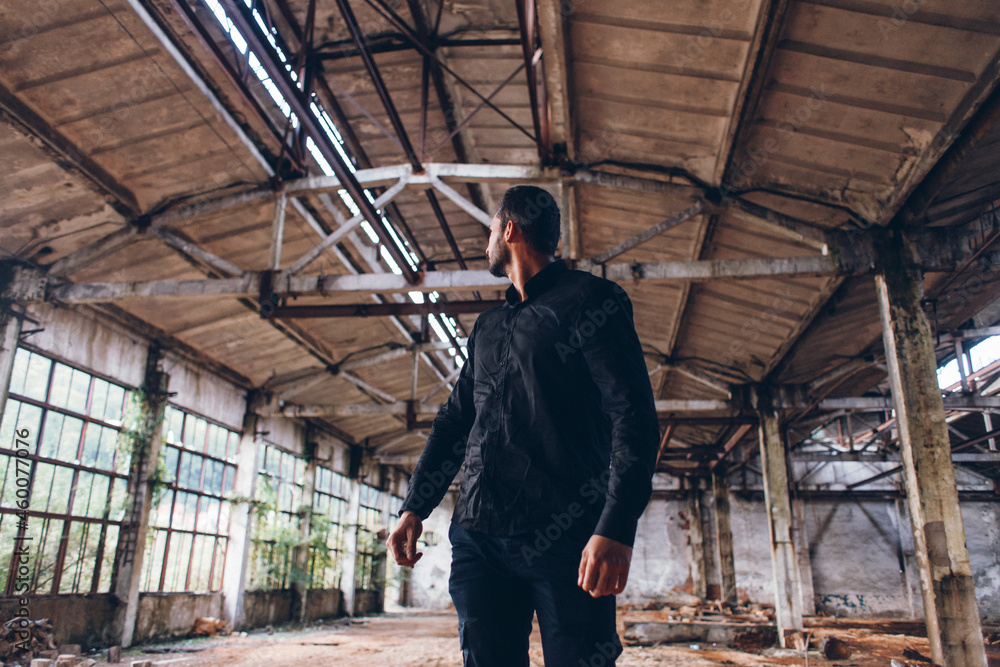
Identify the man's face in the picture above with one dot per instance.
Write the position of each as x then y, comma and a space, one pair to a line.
497, 251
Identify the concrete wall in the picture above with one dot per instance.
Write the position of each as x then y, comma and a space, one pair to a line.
662, 557
203, 393
166, 615
429, 578
322, 603
367, 602
856, 567
262, 608
83, 339
76, 619
982, 536
751, 550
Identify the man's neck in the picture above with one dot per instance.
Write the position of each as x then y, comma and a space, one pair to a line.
523, 269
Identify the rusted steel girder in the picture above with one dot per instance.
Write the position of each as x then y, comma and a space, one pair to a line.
246, 24
397, 123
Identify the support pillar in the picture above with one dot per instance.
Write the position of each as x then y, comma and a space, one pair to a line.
10, 332
240, 519
800, 537
787, 587
952, 616
696, 538
146, 427
302, 581
724, 535
710, 546
18, 284
349, 566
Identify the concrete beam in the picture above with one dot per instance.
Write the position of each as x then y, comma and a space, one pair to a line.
950, 609
249, 284
665, 407
724, 269
555, 61
175, 241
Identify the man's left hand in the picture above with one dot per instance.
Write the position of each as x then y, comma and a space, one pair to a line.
604, 566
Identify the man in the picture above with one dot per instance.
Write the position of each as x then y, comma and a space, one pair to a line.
554, 419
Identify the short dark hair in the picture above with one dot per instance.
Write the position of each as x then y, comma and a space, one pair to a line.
536, 213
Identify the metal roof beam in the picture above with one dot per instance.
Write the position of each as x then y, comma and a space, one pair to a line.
244, 22
551, 31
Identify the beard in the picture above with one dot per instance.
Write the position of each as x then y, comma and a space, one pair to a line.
499, 259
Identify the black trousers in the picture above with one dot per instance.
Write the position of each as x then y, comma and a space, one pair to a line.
499, 583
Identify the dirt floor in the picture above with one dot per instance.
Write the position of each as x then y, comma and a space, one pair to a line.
427, 639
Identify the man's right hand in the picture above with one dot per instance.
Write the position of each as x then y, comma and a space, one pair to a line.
403, 541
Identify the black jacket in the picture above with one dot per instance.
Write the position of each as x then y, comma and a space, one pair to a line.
553, 416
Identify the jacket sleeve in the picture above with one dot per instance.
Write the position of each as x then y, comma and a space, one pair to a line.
614, 357
445, 449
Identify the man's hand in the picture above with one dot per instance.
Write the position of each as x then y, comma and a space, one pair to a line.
403, 541
604, 566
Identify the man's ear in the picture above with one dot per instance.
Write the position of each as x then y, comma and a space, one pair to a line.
511, 231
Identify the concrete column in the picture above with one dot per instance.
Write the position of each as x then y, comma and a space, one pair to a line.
10, 331
710, 547
696, 538
800, 536
952, 617
787, 588
349, 566
300, 556
724, 535
147, 425
235, 574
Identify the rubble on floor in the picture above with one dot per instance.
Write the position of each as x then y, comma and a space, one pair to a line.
22, 637
684, 619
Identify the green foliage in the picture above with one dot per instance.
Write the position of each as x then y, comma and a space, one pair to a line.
136, 438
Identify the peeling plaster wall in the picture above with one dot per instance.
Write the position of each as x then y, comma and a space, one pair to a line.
663, 554
76, 619
429, 578
855, 550
80, 338
164, 615
751, 550
982, 536
287, 433
204, 394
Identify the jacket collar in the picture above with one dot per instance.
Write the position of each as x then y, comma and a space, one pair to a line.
538, 283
